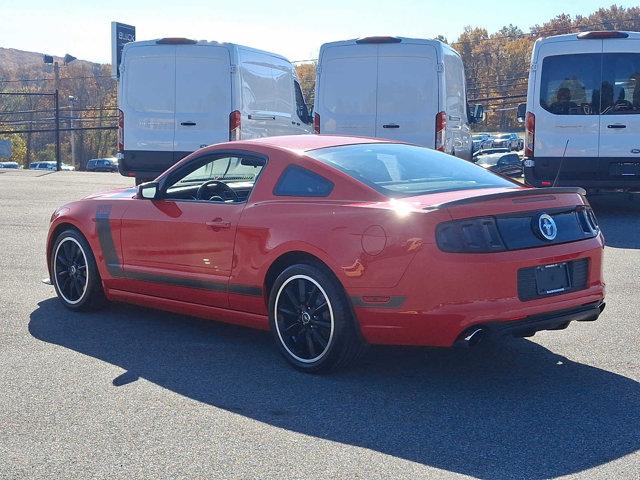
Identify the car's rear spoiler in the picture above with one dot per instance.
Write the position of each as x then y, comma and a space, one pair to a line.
524, 192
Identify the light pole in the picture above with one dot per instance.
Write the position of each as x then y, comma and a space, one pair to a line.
48, 59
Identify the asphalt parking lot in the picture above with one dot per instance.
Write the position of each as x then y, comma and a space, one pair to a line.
130, 392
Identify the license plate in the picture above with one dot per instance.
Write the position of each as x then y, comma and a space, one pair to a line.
552, 279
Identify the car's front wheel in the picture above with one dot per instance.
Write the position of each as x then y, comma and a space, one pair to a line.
74, 272
311, 320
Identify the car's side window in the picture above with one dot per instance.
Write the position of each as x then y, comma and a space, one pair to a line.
570, 84
296, 181
219, 178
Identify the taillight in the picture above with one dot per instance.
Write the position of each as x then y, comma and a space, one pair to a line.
120, 131
476, 235
234, 125
441, 125
316, 123
529, 134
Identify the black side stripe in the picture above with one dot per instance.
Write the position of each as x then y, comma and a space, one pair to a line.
114, 266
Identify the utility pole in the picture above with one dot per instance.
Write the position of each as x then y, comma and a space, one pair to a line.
72, 101
57, 122
56, 88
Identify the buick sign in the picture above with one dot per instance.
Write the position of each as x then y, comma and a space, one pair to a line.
120, 35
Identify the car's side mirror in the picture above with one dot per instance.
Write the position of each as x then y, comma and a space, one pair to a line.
148, 190
522, 112
476, 113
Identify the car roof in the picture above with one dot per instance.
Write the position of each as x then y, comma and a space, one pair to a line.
304, 143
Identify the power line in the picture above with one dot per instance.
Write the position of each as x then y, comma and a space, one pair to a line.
25, 80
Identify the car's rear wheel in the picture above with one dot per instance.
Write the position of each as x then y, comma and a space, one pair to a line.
311, 320
74, 271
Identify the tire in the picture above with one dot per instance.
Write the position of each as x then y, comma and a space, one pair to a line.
72, 259
312, 337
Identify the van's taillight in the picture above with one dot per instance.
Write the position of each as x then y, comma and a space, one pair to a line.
120, 131
441, 125
316, 123
529, 134
234, 125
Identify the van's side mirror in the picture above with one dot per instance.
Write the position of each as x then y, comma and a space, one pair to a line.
148, 190
476, 113
522, 112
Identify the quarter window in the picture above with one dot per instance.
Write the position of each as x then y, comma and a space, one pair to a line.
570, 84
300, 182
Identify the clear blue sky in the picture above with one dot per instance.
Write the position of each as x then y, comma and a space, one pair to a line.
295, 29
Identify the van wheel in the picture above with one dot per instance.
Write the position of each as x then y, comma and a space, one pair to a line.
75, 274
311, 320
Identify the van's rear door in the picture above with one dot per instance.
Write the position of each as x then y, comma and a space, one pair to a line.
148, 103
347, 94
568, 78
620, 118
407, 99
203, 97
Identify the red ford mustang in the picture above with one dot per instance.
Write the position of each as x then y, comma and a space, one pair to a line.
333, 243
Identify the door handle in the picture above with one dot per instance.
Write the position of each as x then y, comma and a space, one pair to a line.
254, 116
616, 125
391, 125
188, 124
218, 223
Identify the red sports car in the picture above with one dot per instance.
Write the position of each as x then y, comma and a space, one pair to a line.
333, 243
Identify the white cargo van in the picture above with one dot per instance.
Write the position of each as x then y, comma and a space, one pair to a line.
584, 96
176, 95
398, 88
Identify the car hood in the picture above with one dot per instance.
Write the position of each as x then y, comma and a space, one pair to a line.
128, 192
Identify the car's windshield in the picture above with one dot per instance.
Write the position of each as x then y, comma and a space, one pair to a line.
504, 136
225, 170
405, 170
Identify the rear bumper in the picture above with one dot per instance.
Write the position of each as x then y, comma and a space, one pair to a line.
547, 321
147, 164
453, 293
588, 173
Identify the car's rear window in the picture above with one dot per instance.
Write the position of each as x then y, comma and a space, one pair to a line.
405, 170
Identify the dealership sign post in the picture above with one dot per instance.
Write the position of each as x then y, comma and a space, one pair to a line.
120, 35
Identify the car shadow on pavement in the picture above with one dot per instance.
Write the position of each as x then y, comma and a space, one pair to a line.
619, 218
511, 409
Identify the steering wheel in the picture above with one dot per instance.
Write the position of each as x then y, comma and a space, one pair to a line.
215, 184
622, 106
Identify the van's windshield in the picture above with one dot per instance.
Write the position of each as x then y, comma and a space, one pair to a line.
400, 170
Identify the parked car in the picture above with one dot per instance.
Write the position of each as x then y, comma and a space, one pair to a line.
481, 141
506, 140
489, 151
9, 165
509, 164
48, 165
176, 95
404, 89
325, 241
583, 111
102, 165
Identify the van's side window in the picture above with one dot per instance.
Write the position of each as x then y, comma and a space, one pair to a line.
621, 84
570, 84
299, 182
